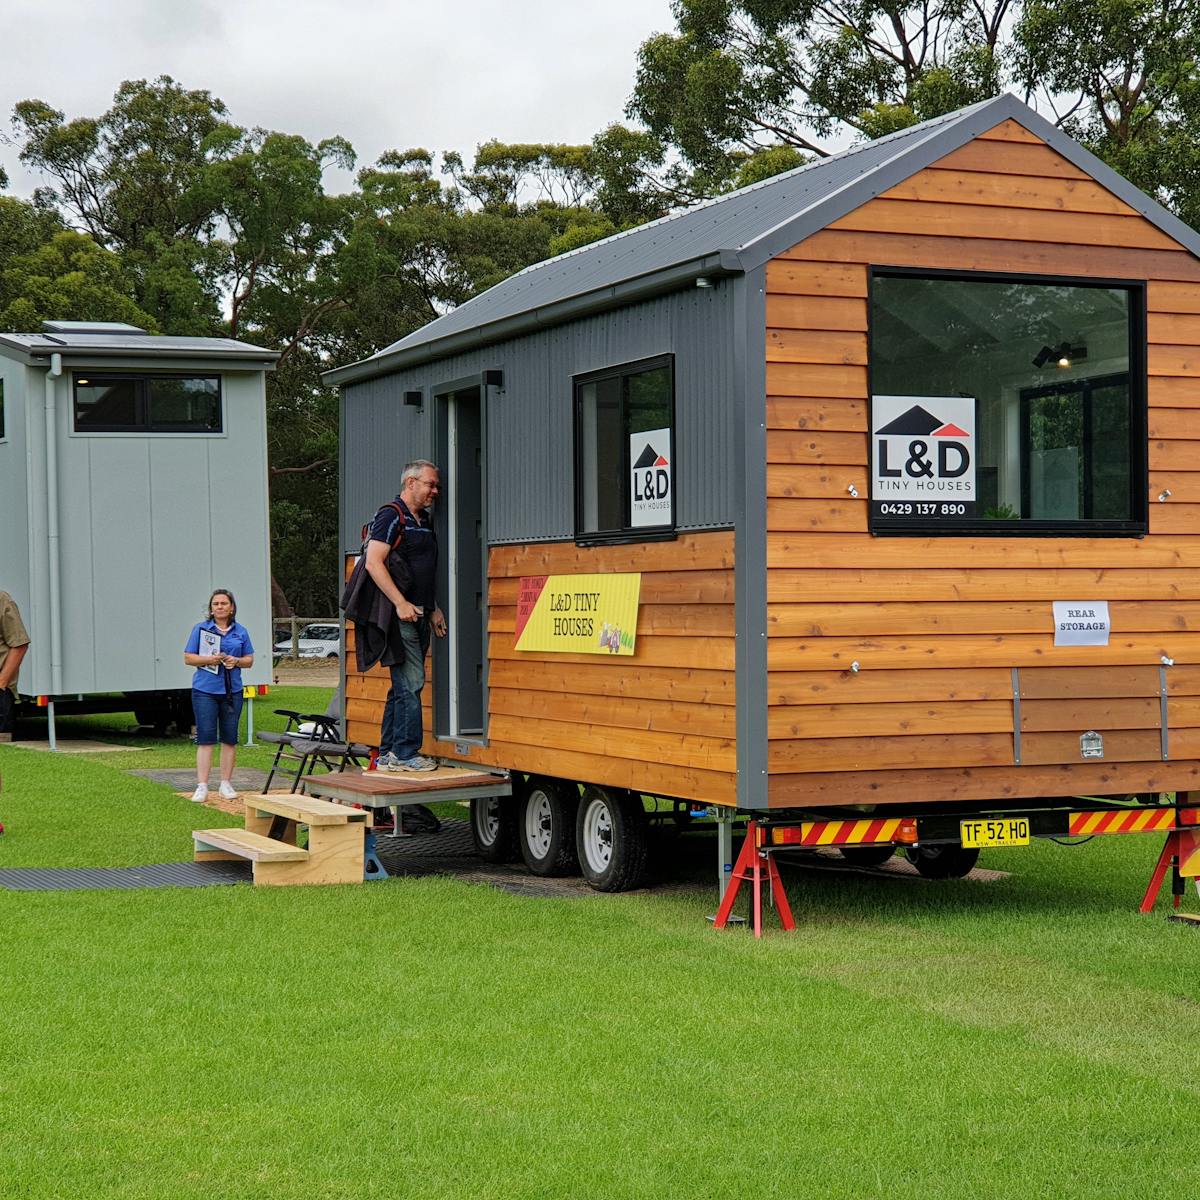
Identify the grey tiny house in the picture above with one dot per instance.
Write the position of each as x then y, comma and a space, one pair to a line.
133, 478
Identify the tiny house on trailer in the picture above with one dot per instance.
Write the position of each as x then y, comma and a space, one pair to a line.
899, 450
133, 479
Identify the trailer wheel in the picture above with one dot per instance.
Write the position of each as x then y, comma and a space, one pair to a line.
546, 828
867, 856
494, 828
611, 834
949, 861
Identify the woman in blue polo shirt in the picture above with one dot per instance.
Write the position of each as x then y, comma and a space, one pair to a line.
218, 648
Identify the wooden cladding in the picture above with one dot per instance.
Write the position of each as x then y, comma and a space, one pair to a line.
661, 721
890, 659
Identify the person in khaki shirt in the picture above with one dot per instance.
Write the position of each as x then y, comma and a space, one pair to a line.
14, 642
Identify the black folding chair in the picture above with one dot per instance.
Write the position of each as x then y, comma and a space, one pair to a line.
310, 740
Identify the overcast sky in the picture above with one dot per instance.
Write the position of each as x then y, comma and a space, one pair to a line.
444, 74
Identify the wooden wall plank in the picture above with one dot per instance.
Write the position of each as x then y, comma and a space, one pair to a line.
684, 684
690, 551
1120, 745
1171, 297
919, 717
1038, 160
822, 346
1181, 424
813, 550
1077, 716
816, 279
805, 446
817, 516
1091, 683
796, 379
1170, 328
892, 753
674, 749
1008, 191
614, 712
1079, 229
806, 412
895, 790
1011, 131
867, 619
983, 254
963, 652
813, 482
900, 583
787, 311
791, 688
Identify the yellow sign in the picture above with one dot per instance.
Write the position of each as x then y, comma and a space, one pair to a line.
578, 614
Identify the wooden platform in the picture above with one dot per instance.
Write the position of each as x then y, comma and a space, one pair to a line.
385, 789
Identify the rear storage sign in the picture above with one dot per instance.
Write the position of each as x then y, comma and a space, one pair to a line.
578, 614
923, 457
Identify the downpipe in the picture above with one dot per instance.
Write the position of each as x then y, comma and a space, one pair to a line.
52, 523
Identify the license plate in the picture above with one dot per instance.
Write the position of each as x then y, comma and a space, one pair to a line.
995, 831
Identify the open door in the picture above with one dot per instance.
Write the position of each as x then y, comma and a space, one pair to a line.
459, 672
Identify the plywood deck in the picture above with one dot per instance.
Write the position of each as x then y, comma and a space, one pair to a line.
382, 789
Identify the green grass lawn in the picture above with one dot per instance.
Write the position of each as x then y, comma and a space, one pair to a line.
1032, 1037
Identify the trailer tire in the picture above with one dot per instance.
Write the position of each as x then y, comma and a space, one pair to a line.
546, 828
612, 837
867, 856
948, 861
494, 828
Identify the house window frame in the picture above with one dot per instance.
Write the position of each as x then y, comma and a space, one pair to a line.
1139, 450
627, 533
145, 427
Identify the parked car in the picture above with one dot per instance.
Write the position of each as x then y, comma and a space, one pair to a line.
315, 641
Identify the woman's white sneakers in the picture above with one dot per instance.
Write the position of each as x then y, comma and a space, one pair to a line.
200, 794
226, 790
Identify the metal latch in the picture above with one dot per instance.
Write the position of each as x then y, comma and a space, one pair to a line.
1091, 744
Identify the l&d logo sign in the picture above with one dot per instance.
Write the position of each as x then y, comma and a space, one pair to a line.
923, 456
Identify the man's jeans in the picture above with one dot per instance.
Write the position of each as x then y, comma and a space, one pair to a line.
401, 731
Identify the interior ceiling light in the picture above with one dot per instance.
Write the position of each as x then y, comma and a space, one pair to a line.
1062, 355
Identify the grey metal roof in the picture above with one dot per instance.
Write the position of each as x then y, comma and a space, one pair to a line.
34, 347
732, 233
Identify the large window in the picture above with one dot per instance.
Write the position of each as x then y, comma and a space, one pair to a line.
127, 403
624, 451
1007, 405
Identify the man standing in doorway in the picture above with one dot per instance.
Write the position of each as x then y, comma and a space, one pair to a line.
402, 562
14, 642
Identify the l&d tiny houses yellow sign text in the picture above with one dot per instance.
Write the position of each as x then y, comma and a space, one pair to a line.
578, 614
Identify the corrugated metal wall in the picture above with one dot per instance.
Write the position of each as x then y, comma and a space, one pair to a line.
530, 495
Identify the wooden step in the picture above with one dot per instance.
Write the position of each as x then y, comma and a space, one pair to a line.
244, 844
304, 810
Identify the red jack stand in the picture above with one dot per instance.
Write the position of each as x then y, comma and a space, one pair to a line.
749, 865
1181, 853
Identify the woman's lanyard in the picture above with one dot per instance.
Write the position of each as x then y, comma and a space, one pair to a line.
227, 672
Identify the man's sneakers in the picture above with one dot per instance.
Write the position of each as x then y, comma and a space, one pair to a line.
226, 790
200, 794
418, 762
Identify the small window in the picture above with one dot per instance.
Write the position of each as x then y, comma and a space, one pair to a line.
106, 403
624, 451
1007, 405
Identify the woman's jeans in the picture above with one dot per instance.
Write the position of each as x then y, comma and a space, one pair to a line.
401, 732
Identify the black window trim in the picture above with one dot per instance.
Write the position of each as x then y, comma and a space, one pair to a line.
143, 378
1139, 456
629, 534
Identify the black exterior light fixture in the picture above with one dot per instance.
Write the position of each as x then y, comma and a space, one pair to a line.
494, 379
1062, 355
414, 399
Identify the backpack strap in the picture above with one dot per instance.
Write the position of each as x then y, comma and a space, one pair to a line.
366, 529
